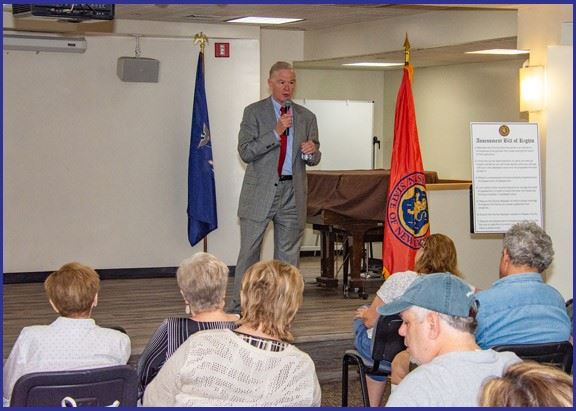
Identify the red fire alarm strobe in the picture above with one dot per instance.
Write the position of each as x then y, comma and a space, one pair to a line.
222, 49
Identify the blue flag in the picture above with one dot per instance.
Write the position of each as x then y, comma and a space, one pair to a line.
202, 215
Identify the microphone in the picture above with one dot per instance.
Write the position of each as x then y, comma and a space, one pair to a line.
288, 106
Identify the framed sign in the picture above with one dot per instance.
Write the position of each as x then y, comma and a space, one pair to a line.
506, 187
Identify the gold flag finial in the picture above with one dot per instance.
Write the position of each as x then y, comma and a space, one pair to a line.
406, 51
202, 39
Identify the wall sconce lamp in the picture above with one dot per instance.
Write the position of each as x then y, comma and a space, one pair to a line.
531, 88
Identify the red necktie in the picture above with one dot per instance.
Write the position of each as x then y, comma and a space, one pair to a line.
283, 142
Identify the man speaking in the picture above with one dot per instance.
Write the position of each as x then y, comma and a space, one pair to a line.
277, 140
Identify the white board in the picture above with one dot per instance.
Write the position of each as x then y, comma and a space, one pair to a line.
345, 128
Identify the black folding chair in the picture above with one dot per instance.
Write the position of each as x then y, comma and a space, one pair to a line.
97, 387
558, 354
386, 343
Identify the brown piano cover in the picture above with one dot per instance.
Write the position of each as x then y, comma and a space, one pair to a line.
356, 194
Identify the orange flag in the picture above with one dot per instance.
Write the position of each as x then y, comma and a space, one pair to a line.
406, 224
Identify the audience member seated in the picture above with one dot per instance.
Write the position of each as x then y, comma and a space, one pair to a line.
202, 279
73, 341
529, 384
520, 308
253, 365
438, 313
437, 254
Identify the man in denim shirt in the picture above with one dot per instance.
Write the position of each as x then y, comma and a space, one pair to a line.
520, 308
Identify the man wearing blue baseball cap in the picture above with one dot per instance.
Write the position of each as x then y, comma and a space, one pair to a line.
438, 313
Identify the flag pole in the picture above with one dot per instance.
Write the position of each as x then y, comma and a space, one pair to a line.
407, 64
406, 222
201, 220
406, 51
202, 40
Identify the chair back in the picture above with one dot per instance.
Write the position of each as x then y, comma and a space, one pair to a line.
386, 342
97, 387
558, 354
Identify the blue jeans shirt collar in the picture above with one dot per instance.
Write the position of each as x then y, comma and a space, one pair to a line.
517, 278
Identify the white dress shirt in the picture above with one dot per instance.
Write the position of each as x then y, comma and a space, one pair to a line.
66, 344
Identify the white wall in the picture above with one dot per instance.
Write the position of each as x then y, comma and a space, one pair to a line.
443, 122
447, 99
559, 220
95, 169
279, 45
540, 29
431, 29
478, 255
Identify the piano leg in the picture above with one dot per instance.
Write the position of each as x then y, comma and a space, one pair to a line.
356, 282
327, 236
358, 232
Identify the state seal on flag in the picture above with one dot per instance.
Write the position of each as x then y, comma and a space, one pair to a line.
408, 210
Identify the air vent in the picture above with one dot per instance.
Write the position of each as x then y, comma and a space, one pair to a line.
45, 43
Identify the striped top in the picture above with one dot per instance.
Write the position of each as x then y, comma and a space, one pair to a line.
166, 340
265, 344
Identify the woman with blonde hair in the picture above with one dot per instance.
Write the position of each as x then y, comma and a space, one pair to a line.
253, 365
202, 280
436, 254
529, 384
73, 341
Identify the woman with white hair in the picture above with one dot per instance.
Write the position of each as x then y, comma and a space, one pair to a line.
254, 365
202, 279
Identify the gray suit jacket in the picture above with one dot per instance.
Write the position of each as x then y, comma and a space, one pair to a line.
259, 148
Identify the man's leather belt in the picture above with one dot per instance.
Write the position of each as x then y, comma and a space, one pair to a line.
285, 178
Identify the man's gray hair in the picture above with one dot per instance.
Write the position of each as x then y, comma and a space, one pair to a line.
464, 324
280, 65
528, 244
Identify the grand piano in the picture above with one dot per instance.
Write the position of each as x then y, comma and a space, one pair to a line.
351, 204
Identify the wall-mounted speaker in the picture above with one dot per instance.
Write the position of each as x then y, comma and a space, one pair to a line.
138, 69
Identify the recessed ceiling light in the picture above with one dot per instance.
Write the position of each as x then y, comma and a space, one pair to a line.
263, 20
369, 64
499, 51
